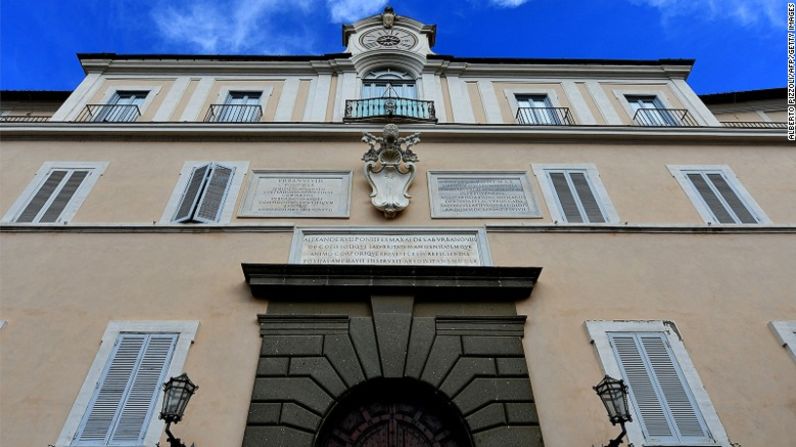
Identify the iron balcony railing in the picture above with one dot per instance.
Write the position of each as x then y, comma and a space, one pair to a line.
755, 124
234, 113
390, 108
664, 118
544, 116
24, 119
109, 113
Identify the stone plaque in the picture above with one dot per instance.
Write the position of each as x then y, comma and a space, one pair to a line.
298, 194
394, 246
460, 194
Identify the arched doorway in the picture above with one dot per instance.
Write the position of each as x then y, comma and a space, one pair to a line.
394, 413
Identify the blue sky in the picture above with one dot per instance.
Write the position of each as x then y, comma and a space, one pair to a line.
738, 44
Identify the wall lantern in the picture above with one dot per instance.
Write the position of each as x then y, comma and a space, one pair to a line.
613, 393
177, 392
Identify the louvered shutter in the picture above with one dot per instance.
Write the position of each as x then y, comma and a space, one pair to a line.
191, 194
565, 197
64, 196
710, 198
731, 198
586, 196
212, 199
665, 407
42, 196
125, 395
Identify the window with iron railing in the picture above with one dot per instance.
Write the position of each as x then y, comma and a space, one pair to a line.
650, 111
389, 94
239, 107
124, 106
538, 110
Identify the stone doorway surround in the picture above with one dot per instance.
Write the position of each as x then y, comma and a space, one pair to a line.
311, 357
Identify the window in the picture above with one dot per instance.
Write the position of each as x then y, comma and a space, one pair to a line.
122, 392
718, 195
123, 106
205, 193
650, 111
240, 107
388, 82
670, 406
56, 192
574, 194
536, 109
786, 333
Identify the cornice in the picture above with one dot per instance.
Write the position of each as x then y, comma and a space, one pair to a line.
352, 132
497, 227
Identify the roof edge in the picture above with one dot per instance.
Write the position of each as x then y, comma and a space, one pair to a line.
745, 95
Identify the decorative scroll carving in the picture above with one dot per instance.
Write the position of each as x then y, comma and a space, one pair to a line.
390, 169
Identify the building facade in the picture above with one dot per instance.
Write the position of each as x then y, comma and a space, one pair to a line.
504, 234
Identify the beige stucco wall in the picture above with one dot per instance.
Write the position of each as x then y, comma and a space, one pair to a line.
134, 189
59, 291
721, 290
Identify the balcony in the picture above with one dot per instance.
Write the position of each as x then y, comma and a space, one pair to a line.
24, 119
544, 116
389, 108
109, 113
234, 113
664, 118
755, 124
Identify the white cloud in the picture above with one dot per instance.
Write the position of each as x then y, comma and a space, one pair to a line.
347, 11
744, 12
225, 27
508, 3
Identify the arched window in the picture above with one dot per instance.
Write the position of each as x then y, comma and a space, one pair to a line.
376, 84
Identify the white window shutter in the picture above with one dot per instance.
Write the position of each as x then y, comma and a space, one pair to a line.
212, 200
41, 197
710, 198
140, 401
64, 196
190, 196
665, 407
731, 198
125, 395
565, 197
586, 196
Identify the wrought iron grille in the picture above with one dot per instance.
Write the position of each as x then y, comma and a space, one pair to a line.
664, 118
23, 119
405, 108
544, 116
755, 124
234, 113
109, 113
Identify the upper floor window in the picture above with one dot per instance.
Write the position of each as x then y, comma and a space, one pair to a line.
649, 110
56, 192
388, 82
718, 195
539, 110
205, 193
238, 107
574, 194
124, 106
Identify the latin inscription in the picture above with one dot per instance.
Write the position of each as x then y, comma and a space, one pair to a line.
281, 194
476, 195
376, 248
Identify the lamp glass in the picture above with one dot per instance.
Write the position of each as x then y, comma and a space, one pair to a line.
177, 392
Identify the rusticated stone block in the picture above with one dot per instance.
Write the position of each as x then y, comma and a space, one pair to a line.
496, 346
444, 352
292, 345
522, 436
272, 366
299, 389
295, 415
276, 436
464, 370
490, 416
264, 413
484, 390
319, 369
512, 366
522, 413
420, 340
364, 338
340, 352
